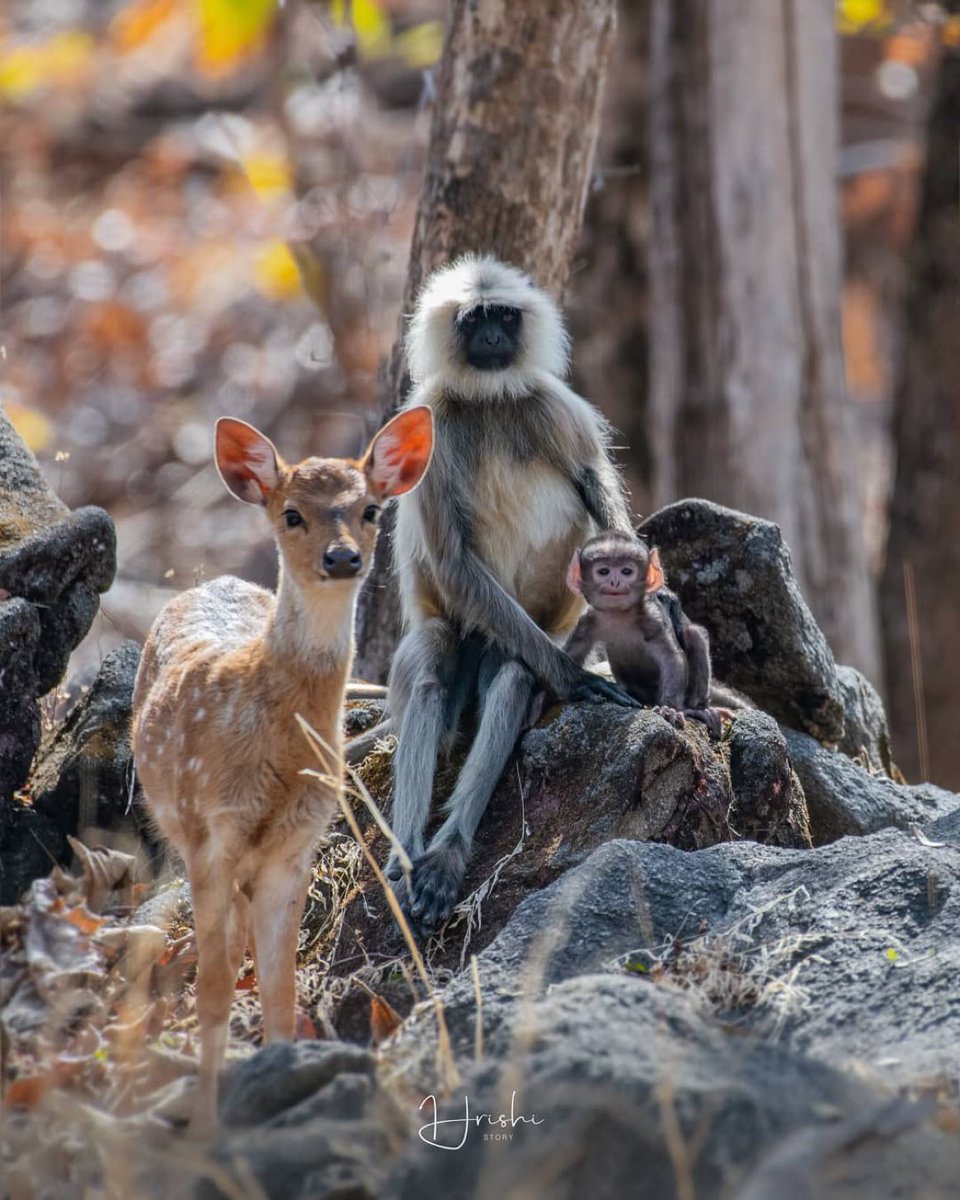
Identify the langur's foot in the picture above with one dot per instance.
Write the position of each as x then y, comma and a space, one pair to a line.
672, 716
713, 718
436, 886
394, 868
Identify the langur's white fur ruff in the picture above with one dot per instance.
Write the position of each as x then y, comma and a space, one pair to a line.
478, 281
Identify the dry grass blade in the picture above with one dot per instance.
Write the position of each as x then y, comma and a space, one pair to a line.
680, 1157
470, 908
446, 1066
729, 970
478, 1028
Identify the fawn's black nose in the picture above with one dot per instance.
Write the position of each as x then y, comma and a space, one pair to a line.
342, 562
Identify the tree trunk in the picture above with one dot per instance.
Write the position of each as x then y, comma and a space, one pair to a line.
924, 539
515, 122
748, 404
608, 302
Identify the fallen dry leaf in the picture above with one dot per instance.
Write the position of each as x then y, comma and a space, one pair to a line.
384, 1020
27, 1092
305, 1029
104, 871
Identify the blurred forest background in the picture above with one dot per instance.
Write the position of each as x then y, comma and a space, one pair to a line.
207, 209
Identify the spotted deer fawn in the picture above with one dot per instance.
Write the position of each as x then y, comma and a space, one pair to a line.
225, 668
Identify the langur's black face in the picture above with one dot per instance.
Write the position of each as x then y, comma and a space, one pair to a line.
489, 336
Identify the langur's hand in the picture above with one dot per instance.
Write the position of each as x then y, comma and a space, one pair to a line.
589, 686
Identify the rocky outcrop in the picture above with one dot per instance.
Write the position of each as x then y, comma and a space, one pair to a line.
733, 575
743, 1016
586, 775
743, 1021
82, 784
844, 798
53, 566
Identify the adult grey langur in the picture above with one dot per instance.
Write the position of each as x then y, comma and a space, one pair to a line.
520, 478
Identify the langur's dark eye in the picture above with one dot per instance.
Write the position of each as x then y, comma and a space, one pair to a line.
603, 570
292, 518
509, 316
470, 318
626, 572
371, 512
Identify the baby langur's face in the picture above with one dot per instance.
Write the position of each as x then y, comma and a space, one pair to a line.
489, 336
615, 581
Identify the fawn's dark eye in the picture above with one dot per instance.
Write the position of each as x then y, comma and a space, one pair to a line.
292, 518
371, 512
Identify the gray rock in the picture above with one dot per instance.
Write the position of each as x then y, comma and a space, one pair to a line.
82, 782
62, 569
784, 993
587, 774
280, 1077
843, 798
765, 784
307, 1121
53, 566
733, 575
866, 735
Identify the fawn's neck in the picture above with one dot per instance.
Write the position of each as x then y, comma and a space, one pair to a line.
314, 625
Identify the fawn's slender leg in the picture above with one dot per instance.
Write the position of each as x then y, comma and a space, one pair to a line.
213, 891
277, 902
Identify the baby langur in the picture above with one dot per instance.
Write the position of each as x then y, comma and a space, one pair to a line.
656, 653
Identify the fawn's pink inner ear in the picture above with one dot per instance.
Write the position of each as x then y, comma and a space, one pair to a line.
247, 461
400, 454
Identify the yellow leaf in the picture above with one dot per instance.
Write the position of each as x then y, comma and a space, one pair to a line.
951, 31
269, 174
420, 46
61, 59
854, 15
34, 428
231, 30
370, 24
277, 273
137, 22
892, 954
312, 273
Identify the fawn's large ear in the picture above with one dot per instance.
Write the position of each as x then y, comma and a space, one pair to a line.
397, 458
247, 461
655, 578
574, 577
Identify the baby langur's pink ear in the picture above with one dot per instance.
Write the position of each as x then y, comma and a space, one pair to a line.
397, 458
247, 460
574, 577
655, 578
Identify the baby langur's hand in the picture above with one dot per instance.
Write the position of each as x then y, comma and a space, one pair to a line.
596, 688
673, 716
